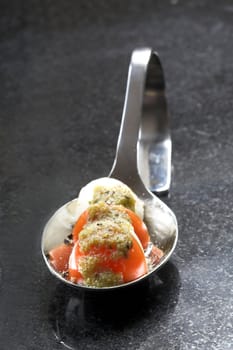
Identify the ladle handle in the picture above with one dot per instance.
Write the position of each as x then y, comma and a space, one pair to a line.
144, 145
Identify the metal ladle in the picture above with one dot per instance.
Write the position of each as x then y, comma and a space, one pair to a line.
143, 152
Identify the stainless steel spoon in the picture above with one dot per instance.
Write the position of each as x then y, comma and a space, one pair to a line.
143, 152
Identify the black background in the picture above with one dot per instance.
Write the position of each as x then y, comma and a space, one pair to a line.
63, 68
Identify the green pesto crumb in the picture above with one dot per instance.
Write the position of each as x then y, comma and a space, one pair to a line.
104, 279
101, 210
96, 275
107, 234
115, 195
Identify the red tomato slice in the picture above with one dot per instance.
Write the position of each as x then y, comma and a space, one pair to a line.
132, 267
59, 257
82, 220
139, 227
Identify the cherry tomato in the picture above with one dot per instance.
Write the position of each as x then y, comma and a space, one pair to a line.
82, 220
139, 227
132, 267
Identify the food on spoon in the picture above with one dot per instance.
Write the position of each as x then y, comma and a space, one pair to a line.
107, 241
110, 191
114, 213
107, 251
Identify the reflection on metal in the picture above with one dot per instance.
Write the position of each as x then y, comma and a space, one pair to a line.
144, 134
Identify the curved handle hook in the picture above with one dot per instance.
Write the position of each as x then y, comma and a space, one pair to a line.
144, 143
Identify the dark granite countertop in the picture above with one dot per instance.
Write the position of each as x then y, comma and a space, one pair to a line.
63, 68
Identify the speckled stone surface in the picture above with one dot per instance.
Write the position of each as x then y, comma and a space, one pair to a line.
63, 68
